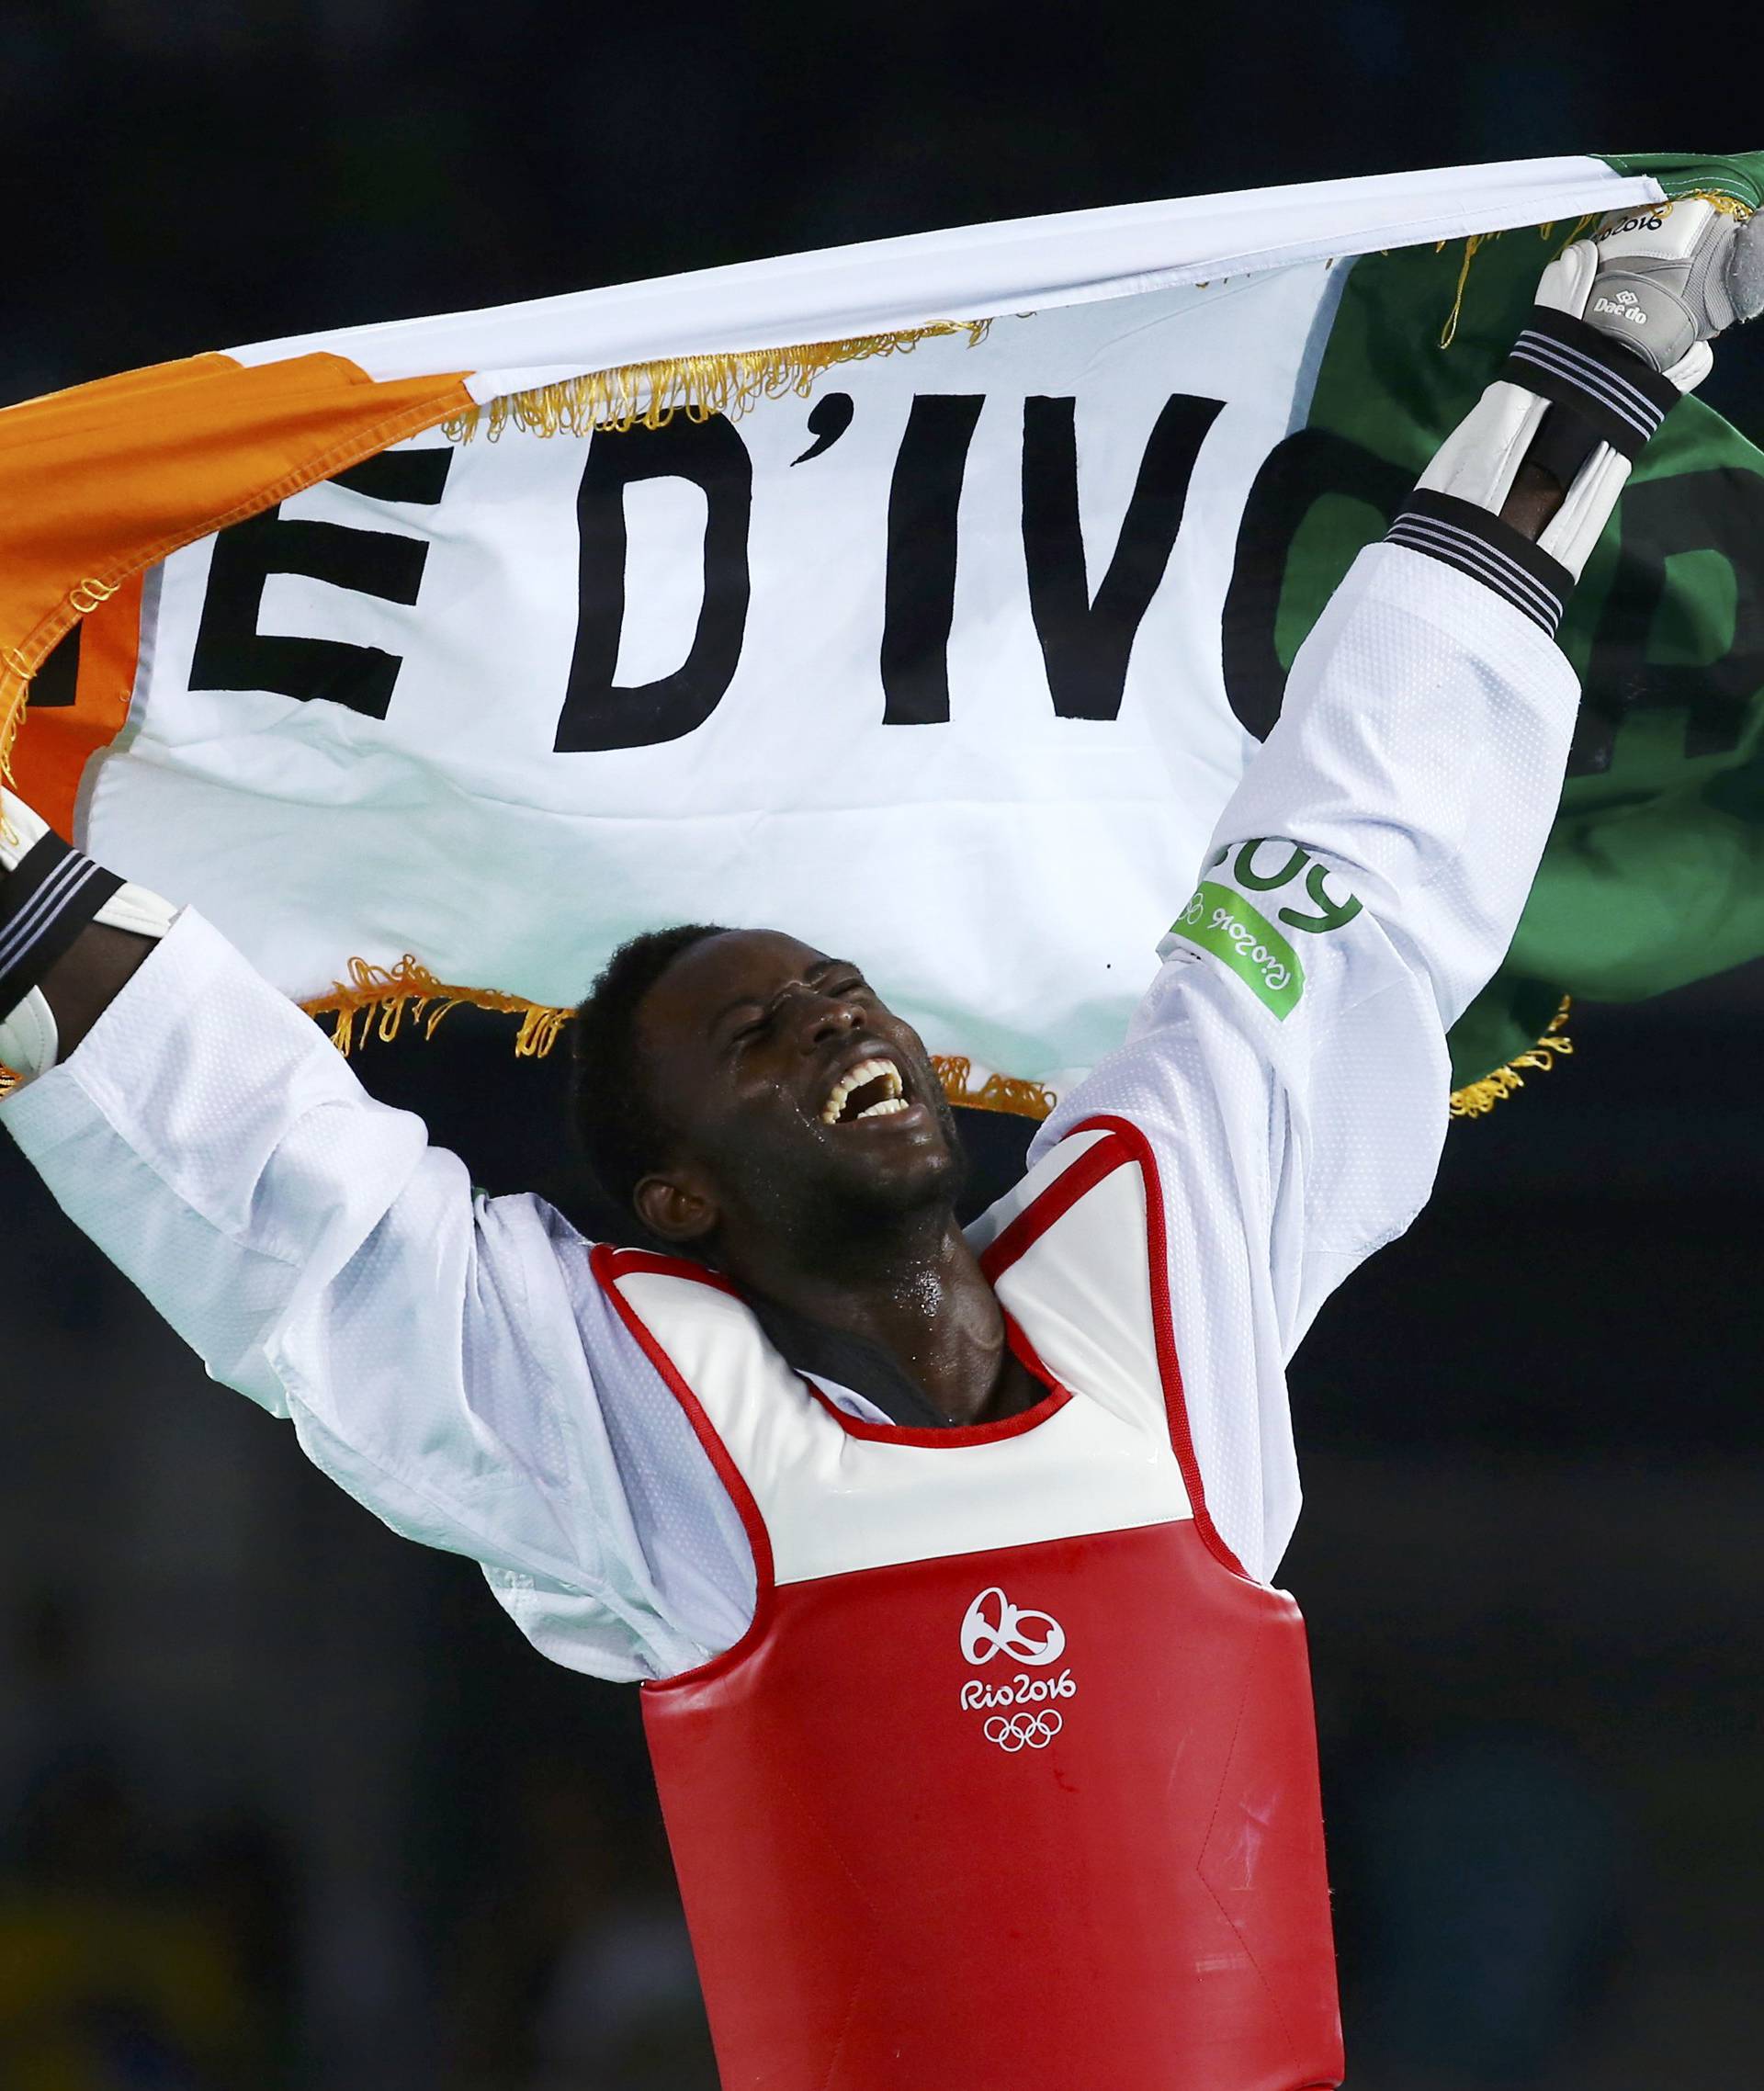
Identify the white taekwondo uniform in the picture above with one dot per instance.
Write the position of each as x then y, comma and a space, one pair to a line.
450, 1359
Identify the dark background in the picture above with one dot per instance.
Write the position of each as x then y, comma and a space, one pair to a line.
286, 1803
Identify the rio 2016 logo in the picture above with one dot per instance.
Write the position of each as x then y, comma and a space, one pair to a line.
993, 1626
1224, 923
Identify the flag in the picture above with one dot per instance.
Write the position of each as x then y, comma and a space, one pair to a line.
926, 598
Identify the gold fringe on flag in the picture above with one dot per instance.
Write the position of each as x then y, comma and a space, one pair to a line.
649, 395
1447, 334
1729, 206
382, 996
1477, 1099
997, 1093
374, 1002
1582, 226
375, 999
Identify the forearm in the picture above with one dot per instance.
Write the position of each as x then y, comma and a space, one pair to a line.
88, 977
1536, 497
1364, 883
72, 936
1416, 764
213, 1145
1427, 727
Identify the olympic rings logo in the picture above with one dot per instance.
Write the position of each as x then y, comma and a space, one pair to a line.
994, 1626
1023, 1730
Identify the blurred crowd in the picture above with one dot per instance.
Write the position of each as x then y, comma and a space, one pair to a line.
142, 1948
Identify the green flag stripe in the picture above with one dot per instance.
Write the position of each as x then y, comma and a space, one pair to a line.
1738, 176
1654, 872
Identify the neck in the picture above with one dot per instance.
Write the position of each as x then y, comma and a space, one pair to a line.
918, 1294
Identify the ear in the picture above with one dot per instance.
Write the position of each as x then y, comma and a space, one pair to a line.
674, 1209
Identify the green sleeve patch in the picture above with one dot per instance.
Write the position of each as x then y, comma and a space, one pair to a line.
1222, 922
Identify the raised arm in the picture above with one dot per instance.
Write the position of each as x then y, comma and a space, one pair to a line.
1419, 761
442, 1356
1289, 1064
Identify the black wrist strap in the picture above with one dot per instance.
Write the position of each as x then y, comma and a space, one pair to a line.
1599, 391
45, 903
1459, 533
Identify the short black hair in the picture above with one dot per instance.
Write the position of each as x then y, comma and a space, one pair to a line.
616, 1119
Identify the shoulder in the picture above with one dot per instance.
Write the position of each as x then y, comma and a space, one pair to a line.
1085, 1225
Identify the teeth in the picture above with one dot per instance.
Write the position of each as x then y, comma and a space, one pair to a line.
865, 1071
887, 1108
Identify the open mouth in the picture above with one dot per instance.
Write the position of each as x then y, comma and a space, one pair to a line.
874, 1089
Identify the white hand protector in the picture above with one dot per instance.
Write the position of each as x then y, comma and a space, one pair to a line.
1672, 275
49, 893
1570, 399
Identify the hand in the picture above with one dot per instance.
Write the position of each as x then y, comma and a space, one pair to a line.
1672, 275
1549, 444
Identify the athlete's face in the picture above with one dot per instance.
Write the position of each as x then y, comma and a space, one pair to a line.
798, 1100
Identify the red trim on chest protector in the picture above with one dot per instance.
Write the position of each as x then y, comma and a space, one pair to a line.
937, 1437
610, 1263
1123, 1142
607, 1263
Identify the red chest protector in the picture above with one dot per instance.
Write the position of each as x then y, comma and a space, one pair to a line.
1012, 1785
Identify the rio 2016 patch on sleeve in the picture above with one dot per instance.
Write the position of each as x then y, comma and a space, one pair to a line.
1224, 922
1221, 921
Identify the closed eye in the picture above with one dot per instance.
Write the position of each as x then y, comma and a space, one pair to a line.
760, 1023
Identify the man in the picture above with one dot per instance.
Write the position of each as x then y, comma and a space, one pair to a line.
983, 1737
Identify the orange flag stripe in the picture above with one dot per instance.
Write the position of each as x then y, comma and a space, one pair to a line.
106, 479
55, 745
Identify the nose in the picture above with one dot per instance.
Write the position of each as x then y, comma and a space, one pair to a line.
826, 1017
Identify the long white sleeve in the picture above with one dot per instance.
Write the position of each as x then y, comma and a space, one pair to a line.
444, 1357
1289, 1063
450, 1362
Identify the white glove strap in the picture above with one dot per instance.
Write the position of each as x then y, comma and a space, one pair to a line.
28, 1040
